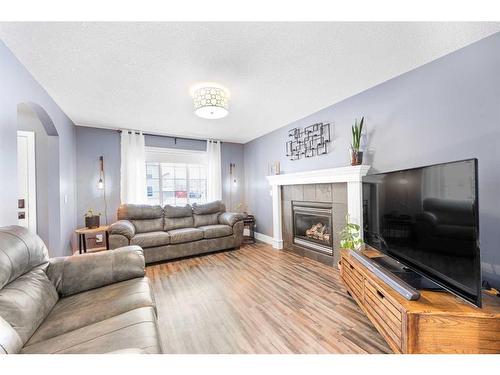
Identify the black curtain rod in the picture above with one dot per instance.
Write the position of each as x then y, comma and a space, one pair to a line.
165, 136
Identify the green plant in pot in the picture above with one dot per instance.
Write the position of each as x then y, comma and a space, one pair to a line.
92, 219
356, 153
350, 236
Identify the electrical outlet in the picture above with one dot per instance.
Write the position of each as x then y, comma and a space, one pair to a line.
98, 238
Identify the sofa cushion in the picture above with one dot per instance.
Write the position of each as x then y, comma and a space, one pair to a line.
185, 235
208, 208
132, 329
146, 226
178, 222
150, 239
144, 217
93, 306
177, 211
208, 219
139, 212
214, 231
178, 217
26, 301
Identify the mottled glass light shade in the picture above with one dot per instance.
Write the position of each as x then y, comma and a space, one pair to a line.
211, 102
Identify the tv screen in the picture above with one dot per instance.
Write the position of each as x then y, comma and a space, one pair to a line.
427, 218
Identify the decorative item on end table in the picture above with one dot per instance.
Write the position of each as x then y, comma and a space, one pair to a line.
356, 154
92, 220
242, 208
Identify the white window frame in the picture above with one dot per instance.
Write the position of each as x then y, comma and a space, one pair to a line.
175, 156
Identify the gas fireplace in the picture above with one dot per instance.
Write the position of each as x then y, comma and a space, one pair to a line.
312, 225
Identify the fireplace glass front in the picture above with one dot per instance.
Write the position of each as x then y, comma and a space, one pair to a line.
312, 225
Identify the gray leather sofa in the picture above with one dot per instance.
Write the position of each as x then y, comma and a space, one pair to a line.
176, 232
94, 303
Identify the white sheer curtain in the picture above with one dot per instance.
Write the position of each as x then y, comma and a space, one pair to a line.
214, 171
133, 168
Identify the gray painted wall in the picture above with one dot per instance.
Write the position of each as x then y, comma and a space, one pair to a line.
233, 193
18, 86
446, 110
92, 143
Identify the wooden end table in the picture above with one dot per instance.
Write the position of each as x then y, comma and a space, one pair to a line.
82, 232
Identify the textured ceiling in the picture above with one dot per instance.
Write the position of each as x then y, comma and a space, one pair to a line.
137, 75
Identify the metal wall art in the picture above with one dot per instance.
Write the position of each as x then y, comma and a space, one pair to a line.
311, 141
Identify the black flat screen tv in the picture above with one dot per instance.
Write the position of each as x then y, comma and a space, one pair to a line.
427, 219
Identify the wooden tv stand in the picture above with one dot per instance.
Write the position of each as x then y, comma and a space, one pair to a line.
438, 322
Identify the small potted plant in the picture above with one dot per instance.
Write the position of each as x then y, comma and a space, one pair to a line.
350, 237
92, 219
356, 153
242, 208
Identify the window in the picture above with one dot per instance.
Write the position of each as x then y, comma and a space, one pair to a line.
176, 183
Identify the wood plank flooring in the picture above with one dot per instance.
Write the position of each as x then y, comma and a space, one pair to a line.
258, 300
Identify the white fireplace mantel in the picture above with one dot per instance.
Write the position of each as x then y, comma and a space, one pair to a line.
351, 175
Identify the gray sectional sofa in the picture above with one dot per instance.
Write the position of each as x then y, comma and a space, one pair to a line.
95, 303
175, 232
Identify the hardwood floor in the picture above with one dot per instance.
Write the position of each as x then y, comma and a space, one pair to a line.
258, 300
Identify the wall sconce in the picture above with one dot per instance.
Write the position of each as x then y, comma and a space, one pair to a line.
232, 177
232, 183
100, 184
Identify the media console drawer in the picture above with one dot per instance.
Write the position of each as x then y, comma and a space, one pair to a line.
353, 278
380, 309
384, 313
438, 322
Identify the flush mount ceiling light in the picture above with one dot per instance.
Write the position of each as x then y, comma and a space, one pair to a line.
210, 100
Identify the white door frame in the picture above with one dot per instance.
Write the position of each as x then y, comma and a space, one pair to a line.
31, 206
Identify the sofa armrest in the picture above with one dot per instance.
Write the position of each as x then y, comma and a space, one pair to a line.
230, 218
10, 342
117, 240
123, 227
75, 274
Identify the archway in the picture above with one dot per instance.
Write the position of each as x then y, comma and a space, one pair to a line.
33, 118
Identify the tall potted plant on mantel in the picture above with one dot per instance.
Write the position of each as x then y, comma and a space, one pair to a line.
356, 153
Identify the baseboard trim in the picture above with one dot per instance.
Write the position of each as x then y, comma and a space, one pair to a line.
264, 238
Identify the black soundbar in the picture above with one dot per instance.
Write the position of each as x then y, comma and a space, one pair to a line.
400, 286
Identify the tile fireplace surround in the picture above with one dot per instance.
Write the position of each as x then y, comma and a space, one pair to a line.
340, 186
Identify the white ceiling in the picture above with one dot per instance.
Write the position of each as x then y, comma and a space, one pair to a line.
137, 75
